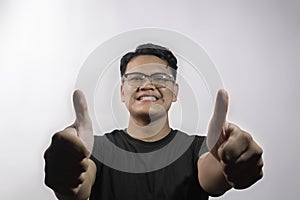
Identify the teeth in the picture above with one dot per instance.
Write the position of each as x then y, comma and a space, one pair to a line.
148, 98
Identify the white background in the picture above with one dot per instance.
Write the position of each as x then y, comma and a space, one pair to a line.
255, 46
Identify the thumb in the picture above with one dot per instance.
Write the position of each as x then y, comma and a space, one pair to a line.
215, 135
83, 123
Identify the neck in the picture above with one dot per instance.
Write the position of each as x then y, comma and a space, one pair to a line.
149, 131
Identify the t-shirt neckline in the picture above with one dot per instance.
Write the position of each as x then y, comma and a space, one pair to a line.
163, 140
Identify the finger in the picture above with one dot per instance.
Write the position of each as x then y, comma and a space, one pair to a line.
243, 178
237, 144
66, 173
83, 122
253, 153
218, 120
71, 130
67, 143
244, 174
81, 110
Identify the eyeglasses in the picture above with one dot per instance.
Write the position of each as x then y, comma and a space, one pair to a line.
138, 79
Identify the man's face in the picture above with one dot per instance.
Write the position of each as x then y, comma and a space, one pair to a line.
148, 99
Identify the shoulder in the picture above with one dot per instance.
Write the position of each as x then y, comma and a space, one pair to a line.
197, 137
110, 135
113, 132
199, 142
105, 140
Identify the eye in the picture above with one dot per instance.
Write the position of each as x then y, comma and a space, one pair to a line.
161, 78
136, 78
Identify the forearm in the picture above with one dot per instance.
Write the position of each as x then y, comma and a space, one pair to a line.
83, 191
211, 176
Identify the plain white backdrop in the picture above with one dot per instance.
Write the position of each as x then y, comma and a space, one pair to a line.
255, 45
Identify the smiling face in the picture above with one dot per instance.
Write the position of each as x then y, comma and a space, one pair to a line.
148, 101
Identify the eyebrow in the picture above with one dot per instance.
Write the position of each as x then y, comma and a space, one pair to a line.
147, 74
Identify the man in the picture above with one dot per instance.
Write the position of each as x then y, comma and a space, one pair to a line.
148, 89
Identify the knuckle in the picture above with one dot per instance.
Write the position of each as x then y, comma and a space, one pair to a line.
260, 164
257, 150
72, 191
85, 164
234, 128
48, 182
75, 191
261, 174
260, 150
81, 178
229, 153
247, 136
57, 136
46, 155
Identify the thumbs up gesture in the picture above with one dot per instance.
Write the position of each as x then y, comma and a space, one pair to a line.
67, 157
83, 123
240, 156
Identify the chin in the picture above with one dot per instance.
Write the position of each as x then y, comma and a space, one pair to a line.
148, 117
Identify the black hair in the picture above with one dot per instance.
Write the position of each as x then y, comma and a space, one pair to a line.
150, 49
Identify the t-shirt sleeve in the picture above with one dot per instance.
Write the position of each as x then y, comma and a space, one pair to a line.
96, 152
200, 148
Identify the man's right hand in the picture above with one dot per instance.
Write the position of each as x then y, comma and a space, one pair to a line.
68, 169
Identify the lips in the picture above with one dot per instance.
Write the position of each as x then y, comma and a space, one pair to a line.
151, 98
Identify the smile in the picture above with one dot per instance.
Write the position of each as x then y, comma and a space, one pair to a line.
147, 98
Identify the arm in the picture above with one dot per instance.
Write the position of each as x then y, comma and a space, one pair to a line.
211, 176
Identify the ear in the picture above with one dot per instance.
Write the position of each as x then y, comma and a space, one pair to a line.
175, 92
122, 93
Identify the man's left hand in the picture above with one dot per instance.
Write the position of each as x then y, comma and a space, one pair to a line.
239, 155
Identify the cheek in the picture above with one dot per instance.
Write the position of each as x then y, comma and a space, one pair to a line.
128, 97
168, 94
167, 99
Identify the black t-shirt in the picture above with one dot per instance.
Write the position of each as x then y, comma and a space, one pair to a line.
176, 180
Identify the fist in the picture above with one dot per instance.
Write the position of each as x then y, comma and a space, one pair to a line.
67, 157
239, 155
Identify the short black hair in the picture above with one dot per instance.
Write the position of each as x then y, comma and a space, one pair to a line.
150, 49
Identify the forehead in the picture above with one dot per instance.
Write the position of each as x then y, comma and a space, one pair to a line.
147, 64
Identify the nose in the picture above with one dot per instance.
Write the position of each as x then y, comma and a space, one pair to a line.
147, 85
